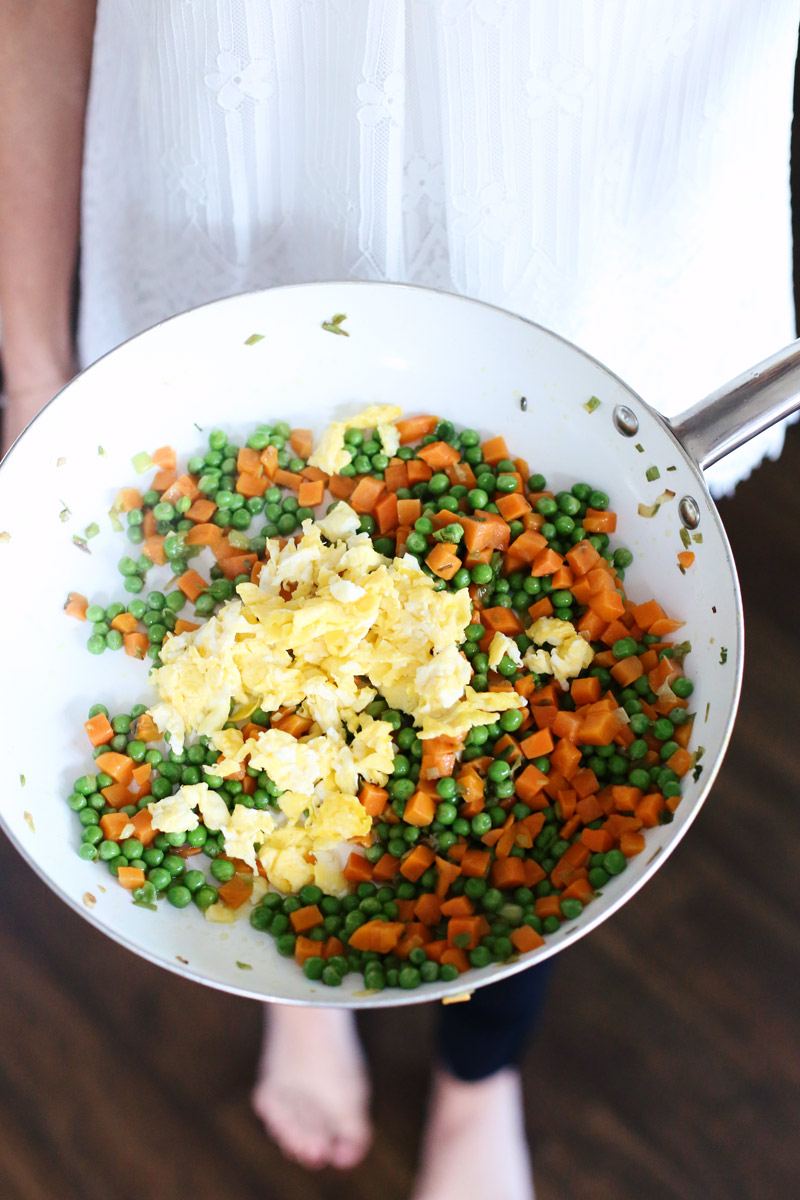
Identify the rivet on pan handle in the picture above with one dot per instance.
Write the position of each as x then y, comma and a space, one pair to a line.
741, 408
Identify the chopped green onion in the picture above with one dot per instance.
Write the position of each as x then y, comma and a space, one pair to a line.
80, 543
142, 462
92, 530
680, 651
22, 780
652, 473
116, 524
254, 337
243, 966
335, 324
103, 453
687, 541
650, 510
723, 655
697, 537
592, 404
65, 513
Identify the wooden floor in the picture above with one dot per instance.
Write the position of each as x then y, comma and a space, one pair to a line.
667, 1065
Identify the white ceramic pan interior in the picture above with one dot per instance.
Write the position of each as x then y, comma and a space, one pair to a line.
425, 351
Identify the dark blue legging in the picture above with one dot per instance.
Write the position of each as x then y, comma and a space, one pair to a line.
488, 1032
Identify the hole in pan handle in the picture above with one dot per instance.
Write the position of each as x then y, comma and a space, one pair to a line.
741, 408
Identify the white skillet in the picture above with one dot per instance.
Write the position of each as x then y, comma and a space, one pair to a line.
428, 352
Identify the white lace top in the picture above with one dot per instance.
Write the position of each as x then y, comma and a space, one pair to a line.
616, 171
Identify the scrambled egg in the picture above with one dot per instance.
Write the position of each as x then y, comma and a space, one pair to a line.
356, 624
330, 455
242, 829
330, 625
499, 647
571, 653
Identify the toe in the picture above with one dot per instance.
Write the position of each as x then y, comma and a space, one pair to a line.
348, 1149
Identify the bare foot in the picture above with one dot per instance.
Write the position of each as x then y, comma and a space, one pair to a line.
475, 1141
312, 1090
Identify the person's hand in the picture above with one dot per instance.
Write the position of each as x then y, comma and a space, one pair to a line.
23, 403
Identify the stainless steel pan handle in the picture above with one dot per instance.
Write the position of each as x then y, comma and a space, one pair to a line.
742, 408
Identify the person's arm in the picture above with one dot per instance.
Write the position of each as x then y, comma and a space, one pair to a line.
45, 59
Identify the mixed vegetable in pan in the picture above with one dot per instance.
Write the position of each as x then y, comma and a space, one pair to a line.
411, 726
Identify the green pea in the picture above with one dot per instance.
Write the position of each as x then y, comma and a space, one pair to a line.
286, 945
193, 880
506, 484
96, 643
409, 978
614, 862
223, 870
402, 789
511, 720
314, 967
447, 788
481, 823
178, 895
416, 543
571, 908
493, 899
498, 770
478, 498
446, 813
160, 878
174, 864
